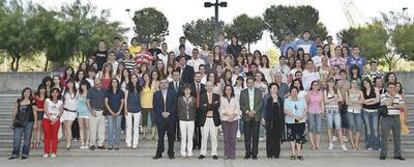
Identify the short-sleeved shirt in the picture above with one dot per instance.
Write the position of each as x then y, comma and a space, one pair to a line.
96, 98
52, 108
297, 108
114, 99
397, 100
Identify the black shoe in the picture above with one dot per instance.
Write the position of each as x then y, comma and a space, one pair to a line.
201, 157
383, 157
24, 158
101, 147
254, 157
301, 158
116, 148
215, 157
400, 158
92, 148
247, 156
10, 158
171, 156
157, 157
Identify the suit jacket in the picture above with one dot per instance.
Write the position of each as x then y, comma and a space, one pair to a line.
171, 86
194, 89
214, 107
158, 106
187, 74
245, 105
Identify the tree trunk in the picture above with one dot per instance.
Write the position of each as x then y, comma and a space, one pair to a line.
46, 64
17, 63
248, 47
12, 64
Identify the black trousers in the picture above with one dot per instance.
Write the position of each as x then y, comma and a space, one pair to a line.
197, 132
273, 140
177, 131
251, 137
163, 127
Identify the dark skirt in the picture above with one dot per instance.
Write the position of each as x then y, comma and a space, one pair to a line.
40, 116
296, 133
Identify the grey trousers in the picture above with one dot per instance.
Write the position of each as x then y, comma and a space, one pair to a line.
393, 124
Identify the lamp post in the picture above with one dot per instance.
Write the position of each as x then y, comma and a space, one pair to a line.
216, 13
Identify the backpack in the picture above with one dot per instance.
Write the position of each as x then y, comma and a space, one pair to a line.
22, 116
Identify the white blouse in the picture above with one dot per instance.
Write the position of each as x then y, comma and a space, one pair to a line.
52, 108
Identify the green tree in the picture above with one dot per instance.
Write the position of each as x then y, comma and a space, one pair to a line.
16, 38
403, 39
150, 24
348, 35
281, 20
201, 31
248, 29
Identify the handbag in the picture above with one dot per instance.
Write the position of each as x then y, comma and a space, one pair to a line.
383, 110
21, 116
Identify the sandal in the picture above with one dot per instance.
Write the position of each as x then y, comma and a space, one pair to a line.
301, 158
292, 157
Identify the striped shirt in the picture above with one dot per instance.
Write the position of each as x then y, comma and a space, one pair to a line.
397, 100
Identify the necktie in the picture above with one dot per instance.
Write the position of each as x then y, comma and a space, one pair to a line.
165, 102
176, 86
198, 95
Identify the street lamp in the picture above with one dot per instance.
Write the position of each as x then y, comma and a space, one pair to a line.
216, 13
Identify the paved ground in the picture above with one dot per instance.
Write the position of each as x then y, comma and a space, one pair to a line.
144, 162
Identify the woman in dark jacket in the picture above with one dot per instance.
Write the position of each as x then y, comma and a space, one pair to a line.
274, 121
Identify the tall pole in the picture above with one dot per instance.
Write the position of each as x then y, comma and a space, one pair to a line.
216, 20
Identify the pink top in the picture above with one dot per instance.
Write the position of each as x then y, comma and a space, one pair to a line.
315, 102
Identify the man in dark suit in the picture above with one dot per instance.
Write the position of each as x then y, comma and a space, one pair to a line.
209, 120
197, 89
187, 72
165, 111
251, 107
177, 87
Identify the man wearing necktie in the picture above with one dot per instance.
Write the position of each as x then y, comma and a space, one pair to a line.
176, 86
197, 89
165, 109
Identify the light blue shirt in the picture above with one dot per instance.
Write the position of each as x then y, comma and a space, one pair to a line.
297, 108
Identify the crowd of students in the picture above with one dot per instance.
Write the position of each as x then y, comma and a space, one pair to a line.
195, 95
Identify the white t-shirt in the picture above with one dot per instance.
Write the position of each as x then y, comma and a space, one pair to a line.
195, 63
52, 108
308, 77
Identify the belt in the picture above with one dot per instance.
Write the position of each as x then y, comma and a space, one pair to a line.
209, 116
392, 116
69, 110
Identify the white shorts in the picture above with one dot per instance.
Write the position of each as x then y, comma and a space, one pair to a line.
68, 116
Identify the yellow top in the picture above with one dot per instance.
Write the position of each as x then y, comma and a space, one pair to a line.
146, 97
134, 50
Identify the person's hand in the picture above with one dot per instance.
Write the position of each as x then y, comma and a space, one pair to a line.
93, 113
263, 122
53, 121
113, 113
126, 113
35, 126
165, 114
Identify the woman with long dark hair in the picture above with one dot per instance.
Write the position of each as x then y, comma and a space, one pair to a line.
274, 121
148, 119
370, 114
70, 101
316, 109
83, 114
354, 101
51, 122
68, 74
230, 113
24, 121
133, 111
114, 104
48, 83
39, 102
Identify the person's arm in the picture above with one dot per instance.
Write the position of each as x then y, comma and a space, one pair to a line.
322, 103
361, 99
34, 116
347, 101
126, 103
340, 99
14, 111
108, 107
122, 104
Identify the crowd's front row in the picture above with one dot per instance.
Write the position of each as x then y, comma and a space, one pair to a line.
195, 106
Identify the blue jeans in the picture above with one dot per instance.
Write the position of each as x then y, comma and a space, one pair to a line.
354, 122
371, 129
315, 123
25, 131
114, 129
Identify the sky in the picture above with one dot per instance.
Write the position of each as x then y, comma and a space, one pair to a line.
179, 12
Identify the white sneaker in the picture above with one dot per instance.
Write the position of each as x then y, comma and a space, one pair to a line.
53, 156
344, 148
134, 147
334, 138
45, 155
86, 147
345, 138
330, 146
82, 147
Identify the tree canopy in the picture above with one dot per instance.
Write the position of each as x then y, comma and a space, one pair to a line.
248, 29
150, 24
201, 31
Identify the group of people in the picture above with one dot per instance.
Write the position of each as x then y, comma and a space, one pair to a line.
196, 95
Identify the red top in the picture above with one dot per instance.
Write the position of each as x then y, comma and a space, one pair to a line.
39, 103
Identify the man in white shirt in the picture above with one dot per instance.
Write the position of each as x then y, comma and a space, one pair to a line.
309, 75
195, 61
317, 60
164, 54
188, 49
283, 68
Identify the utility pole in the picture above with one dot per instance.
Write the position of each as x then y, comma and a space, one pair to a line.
216, 14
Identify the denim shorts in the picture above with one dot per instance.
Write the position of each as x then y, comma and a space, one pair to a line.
355, 122
315, 123
333, 117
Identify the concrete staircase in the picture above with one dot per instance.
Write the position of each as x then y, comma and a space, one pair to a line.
147, 149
